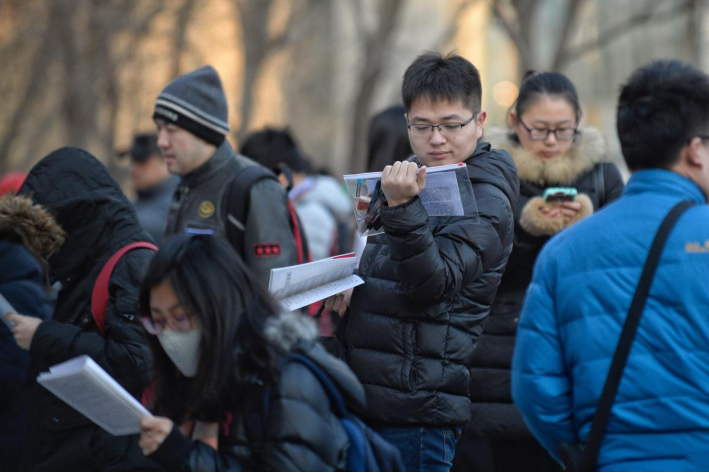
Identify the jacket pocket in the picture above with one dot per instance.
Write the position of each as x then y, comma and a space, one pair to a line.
410, 371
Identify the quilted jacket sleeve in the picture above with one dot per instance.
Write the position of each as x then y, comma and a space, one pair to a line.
541, 384
431, 268
123, 352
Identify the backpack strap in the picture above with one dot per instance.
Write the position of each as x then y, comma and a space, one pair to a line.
238, 201
256, 402
336, 401
99, 295
625, 343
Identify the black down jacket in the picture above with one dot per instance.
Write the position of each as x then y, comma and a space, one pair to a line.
301, 432
413, 325
598, 183
98, 220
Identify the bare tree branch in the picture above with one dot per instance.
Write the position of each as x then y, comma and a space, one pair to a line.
569, 22
647, 17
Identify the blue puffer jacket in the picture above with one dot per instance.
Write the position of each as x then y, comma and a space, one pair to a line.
583, 284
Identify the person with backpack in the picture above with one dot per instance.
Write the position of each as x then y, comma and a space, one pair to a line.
550, 151
72, 192
239, 385
221, 192
612, 345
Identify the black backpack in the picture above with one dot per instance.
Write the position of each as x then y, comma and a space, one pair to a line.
368, 451
238, 200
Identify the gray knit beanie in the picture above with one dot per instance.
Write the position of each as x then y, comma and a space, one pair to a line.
196, 102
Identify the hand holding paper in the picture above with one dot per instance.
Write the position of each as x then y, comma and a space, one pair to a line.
298, 286
23, 328
153, 432
403, 181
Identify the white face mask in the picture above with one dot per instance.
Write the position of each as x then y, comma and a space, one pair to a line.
183, 349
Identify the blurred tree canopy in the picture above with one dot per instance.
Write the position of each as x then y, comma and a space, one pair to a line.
86, 72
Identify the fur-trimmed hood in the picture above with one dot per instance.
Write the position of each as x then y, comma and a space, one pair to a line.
289, 330
40, 233
588, 149
293, 331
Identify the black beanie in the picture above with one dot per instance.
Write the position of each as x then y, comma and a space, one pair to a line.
196, 102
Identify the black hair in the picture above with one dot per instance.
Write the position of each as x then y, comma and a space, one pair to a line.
388, 139
270, 147
214, 285
550, 84
662, 106
144, 146
440, 78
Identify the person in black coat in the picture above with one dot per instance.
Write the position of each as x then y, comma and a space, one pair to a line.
220, 348
429, 283
76, 189
23, 284
549, 151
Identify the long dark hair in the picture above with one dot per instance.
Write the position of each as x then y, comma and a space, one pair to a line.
388, 139
215, 286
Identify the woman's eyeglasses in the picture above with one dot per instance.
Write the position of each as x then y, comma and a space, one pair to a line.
180, 323
539, 134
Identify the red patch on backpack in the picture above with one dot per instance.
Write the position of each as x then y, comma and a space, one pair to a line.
266, 250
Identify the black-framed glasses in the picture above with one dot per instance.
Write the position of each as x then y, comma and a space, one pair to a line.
445, 129
539, 134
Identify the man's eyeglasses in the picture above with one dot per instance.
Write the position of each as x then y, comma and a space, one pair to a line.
539, 134
445, 129
181, 323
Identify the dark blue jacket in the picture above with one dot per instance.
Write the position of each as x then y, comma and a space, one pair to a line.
21, 283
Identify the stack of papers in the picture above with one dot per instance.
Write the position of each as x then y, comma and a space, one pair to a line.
86, 387
301, 285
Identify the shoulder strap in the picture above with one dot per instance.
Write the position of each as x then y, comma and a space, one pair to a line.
99, 295
238, 200
600, 185
615, 373
336, 401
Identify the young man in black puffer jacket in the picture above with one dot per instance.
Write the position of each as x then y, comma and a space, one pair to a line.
413, 325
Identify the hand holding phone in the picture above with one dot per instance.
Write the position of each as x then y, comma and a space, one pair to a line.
6, 309
560, 194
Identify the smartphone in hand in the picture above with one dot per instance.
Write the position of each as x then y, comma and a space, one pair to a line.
560, 194
6, 309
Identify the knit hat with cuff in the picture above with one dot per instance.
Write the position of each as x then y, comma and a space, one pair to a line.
196, 102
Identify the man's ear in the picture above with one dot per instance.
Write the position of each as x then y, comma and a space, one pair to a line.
694, 154
480, 121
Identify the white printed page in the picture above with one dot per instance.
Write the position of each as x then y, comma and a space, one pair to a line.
86, 387
441, 197
300, 285
321, 292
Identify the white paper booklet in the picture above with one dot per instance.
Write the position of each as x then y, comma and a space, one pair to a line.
85, 386
301, 285
441, 197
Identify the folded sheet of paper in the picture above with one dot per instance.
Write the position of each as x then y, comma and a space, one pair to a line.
85, 386
301, 285
441, 197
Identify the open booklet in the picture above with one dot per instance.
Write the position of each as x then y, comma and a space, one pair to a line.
301, 285
85, 386
441, 197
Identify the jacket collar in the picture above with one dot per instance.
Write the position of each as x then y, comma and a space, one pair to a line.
663, 182
589, 148
211, 167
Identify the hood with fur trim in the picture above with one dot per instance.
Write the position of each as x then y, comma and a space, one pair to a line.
588, 149
40, 233
289, 330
